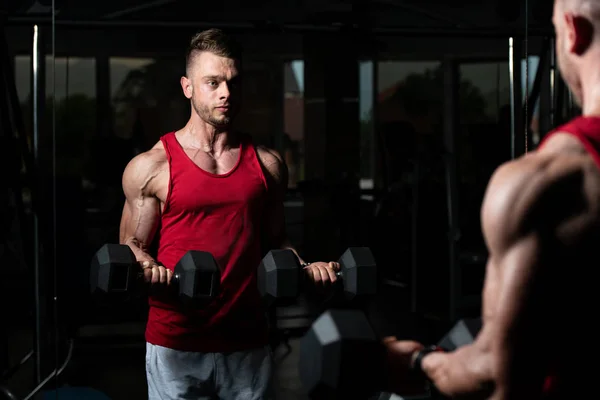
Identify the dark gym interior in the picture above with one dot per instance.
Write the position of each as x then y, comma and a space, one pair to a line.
391, 116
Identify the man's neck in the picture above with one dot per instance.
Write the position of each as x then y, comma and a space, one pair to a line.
203, 136
590, 86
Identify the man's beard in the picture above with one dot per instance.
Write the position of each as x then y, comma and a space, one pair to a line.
204, 112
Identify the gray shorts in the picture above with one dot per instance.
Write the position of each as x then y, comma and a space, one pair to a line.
176, 375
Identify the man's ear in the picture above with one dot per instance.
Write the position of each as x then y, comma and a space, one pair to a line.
580, 33
186, 85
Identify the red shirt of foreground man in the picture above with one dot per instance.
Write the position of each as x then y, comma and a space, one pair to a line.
541, 223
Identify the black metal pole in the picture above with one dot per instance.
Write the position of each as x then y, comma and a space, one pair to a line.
517, 137
38, 91
414, 249
511, 68
451, 86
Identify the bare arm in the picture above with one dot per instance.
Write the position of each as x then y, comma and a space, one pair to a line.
141, 211
522, 225
276, 173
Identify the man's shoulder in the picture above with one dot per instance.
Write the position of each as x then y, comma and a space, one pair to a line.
541, 190
145, 164
151, 157
271, 161
268, 155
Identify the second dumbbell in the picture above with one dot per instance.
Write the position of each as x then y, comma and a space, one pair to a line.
341, 356
281, 278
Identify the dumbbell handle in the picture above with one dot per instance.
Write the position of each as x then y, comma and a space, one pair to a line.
338, 274
174, 278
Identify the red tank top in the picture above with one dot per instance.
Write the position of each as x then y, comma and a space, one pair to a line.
220, 214
587, 131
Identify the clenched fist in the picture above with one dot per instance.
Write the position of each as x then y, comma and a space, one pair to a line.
323, 274
157, 275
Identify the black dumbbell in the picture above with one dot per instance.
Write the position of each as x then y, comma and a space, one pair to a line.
462, 333
280, 276
114, 269
342, 357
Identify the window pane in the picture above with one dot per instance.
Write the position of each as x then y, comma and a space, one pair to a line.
294, 120
75, 77
367, 139
409, 136
410, 109
146, 102
23, 83
485, 90
260, 101
121, 68
147, 99
23, 77
71, 95
483, 140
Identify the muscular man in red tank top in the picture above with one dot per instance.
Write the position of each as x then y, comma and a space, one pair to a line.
206, 187
541, 222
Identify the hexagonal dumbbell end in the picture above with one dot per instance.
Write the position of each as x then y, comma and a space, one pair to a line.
111, 270
462, 333
341, 357
359, 272
198, 277
279, 276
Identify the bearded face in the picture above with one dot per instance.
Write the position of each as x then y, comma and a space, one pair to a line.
213, 86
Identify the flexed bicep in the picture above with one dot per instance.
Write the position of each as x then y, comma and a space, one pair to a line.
139, 221
141, 211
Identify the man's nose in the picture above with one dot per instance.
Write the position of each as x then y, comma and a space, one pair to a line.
224, 90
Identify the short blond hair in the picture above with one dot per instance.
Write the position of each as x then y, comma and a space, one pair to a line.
213, 41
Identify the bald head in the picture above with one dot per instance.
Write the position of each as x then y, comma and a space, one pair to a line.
578, 23
586, 8
577, 26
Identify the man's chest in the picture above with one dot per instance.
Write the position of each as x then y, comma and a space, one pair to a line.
213, 164
190, 191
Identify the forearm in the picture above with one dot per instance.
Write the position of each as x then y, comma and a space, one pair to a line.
139, 249
137, 228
